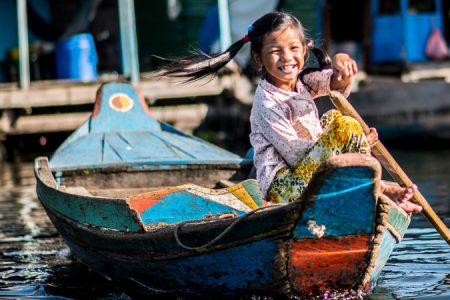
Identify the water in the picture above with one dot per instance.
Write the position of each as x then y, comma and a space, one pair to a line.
36, 264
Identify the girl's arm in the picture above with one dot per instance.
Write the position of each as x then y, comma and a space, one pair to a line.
344, 68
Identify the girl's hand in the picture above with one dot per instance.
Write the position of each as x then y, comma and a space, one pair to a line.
344, 67
372, 137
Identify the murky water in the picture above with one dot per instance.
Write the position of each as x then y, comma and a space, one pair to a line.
36, 264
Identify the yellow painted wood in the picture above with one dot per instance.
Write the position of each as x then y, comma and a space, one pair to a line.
241, 193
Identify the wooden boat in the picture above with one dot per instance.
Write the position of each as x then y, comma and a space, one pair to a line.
124, 221
122, 145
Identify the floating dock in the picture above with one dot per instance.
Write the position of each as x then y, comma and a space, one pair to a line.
18, 106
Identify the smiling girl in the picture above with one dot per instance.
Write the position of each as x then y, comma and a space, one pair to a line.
290, 141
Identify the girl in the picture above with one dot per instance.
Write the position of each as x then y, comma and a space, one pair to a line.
289, 140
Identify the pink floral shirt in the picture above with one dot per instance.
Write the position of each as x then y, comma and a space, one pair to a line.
285, 124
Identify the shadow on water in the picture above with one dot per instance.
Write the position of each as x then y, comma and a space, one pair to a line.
36, 264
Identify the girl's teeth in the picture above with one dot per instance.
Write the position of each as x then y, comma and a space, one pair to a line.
287, 67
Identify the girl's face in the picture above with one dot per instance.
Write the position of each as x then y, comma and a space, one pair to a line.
283, 56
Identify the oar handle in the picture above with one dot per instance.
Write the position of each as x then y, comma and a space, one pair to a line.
389, 163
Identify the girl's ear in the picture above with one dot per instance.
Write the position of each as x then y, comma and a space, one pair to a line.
305, 49
257, 58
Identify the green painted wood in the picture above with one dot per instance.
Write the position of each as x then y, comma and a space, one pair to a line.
398, 219
112, 214
251, 186
101, 212
385, 248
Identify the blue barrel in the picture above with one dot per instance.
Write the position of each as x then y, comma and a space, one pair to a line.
76, 58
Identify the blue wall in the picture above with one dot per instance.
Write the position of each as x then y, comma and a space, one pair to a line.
402, 36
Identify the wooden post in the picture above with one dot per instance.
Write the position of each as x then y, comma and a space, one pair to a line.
24, 60
128, 39
224, 25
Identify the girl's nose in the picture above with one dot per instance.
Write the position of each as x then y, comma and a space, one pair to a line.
287, 55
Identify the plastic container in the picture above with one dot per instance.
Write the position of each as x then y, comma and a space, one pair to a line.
76, 58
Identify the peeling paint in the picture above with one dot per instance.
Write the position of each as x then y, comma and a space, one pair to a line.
315, 229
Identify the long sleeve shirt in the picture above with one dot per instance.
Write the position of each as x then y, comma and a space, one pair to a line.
285, 124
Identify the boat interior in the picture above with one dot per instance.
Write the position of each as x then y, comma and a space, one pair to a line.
126, 183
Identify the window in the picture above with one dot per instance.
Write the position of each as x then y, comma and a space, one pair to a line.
389, 7
421, 6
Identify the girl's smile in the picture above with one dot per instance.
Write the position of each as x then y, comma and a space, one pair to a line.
288, 68
282, 56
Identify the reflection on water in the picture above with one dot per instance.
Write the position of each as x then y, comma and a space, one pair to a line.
421, 263
35, 263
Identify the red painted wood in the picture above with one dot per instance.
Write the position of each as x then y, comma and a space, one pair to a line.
144, 201
316, 265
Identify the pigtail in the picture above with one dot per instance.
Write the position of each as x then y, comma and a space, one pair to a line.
322, 58
200, 65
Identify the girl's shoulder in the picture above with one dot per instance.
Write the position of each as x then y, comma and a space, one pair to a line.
316, 83
318, 75
267, 88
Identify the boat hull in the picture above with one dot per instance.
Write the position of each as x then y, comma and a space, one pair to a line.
271, 250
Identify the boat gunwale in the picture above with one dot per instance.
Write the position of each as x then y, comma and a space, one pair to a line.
156, 166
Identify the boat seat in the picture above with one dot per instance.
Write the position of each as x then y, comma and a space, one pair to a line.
169, 204
78, 190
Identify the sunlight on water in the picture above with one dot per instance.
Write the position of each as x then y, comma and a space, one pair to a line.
420, 264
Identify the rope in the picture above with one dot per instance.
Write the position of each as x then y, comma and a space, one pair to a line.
221, 235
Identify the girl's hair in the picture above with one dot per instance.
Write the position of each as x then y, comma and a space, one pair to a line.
202, 65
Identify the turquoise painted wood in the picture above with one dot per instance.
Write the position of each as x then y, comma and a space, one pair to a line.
388, 243
350, 192
397, 219
108, 214
183, 206
129, 114
121, 132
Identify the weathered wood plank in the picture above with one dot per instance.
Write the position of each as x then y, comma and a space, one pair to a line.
62, 94
183, 117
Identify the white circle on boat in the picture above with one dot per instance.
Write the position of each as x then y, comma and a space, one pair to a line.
121, 102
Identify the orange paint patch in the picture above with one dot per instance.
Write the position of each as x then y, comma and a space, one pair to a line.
121, 102
141, 202
317, 265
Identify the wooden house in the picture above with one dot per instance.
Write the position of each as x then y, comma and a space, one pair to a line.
36, 97
129, 35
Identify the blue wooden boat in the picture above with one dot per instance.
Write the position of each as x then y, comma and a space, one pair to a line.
122, 145
142, 218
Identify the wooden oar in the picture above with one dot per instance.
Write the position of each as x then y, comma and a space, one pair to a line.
389, 163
